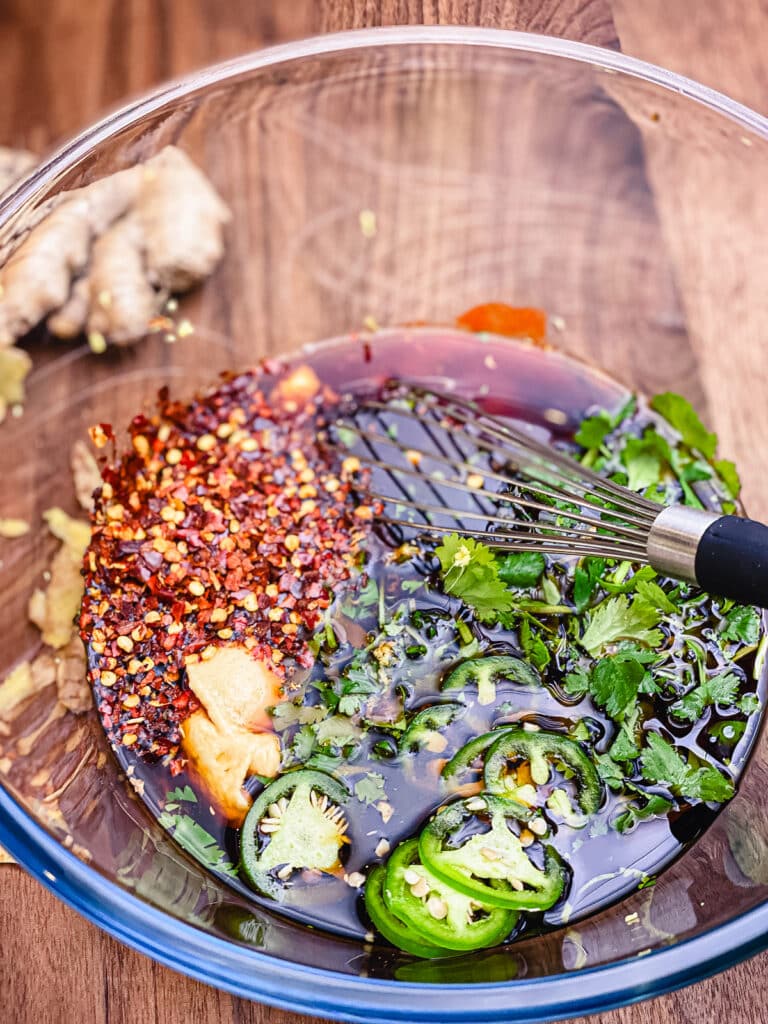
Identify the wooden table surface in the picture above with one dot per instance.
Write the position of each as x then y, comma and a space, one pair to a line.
62, 63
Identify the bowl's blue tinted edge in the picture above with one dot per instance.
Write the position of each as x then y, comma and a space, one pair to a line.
311, 990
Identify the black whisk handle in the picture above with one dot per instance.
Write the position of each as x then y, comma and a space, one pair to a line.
732, 560
726, 555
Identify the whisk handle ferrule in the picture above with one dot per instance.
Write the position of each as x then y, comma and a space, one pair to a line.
724, 555
674, 538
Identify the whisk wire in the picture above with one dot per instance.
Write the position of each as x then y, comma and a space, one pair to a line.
545, 501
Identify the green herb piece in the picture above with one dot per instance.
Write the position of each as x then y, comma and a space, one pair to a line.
370, 789
689, 473
303, 744
729, 475
679, 412
619, 619
593, 430
662, 764
656, 806
288, 714
742, 623
609, 771
614, 683
586, 578
576, 682
197, 842
729, 732
655, 596
411, 586
721, 689
534, 648
521, 568
349, 694
470, 572
645, 459
749, 704
619, 585
177, 796
623, 747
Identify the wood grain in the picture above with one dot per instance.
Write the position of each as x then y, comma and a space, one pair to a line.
62, 63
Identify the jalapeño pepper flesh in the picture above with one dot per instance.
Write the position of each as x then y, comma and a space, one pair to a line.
492, 865
486, 672
437, 911
465, 756
539, 749
427, 722
390, 926
295, 821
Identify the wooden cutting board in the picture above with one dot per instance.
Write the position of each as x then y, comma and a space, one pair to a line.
62, 62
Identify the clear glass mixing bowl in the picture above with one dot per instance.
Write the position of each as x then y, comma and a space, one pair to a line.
629, 203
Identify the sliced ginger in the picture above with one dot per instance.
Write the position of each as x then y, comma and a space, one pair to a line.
24, 681
86, 474
15, 364
53, 610
226, 742
224, 760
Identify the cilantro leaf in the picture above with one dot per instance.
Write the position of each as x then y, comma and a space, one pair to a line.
689, 473
585, 580
749, 704
200, 844
679, 412
470, 572
742, 623
661, 763
614, 684
576, 682
593, 430
630, 585
618, 619
349, 693
707, 783
623, 747
729, 475
370, 789
609, 771
645, 459
534, 648
303, 744
720, 689
655, 806
655, 596
178, 795
287, 714
521, 568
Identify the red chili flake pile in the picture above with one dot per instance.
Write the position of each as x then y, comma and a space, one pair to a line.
228, 521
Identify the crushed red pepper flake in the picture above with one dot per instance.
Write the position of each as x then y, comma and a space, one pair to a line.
204, 535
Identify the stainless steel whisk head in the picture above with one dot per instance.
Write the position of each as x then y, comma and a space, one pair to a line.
440, 464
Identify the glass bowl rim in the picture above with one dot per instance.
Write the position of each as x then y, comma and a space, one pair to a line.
246, 972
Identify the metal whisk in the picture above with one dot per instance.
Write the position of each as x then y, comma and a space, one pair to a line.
438, 464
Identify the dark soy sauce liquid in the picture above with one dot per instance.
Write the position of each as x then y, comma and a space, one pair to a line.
552, 393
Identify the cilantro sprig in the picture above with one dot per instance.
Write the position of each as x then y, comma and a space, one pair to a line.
662, 764
470, 571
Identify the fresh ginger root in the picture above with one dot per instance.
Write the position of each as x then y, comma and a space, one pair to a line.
108, 255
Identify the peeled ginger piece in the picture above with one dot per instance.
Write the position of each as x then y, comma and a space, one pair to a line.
230, 739
224, 760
